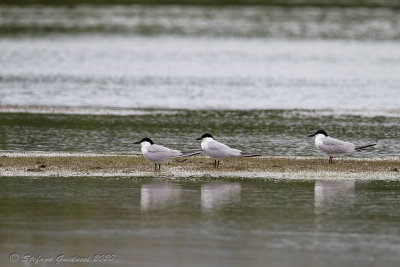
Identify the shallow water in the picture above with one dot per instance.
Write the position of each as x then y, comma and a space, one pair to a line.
270, 132
303, 69
199, 73
230, 222
201, 57
275, 22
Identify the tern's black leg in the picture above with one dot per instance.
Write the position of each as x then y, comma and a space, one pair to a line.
159, 167
155, 166
217, 164
330, 159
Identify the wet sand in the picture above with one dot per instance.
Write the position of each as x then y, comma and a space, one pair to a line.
66, 164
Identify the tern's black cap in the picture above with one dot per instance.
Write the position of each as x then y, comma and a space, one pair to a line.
145, 140
318, 132
204, 136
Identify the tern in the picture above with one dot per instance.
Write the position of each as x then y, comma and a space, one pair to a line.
218, 151
333, 147
160, 154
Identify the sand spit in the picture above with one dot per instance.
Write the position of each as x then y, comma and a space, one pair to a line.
307, 168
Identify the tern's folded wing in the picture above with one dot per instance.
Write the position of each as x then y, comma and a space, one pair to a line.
157, 149
215, 145
218, 150
332, 145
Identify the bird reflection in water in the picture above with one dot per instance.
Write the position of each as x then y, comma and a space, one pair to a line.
216, 195
332, 193
159, 195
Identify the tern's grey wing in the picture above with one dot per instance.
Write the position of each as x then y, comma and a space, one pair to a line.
329, 141
159, 153
215, 145
218, 150
334, 146
158, 149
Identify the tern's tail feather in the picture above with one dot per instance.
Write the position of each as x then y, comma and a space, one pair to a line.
248, 155
189, 153
365, 148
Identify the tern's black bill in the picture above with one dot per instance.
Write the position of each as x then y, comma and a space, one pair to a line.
138, 142
199, 138
311, 135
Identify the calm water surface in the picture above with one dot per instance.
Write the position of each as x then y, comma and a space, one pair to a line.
199, 73
270, 132
201, 57
229, 222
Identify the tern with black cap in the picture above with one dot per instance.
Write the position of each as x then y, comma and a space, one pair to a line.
160, 154
218, 151
333, 147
